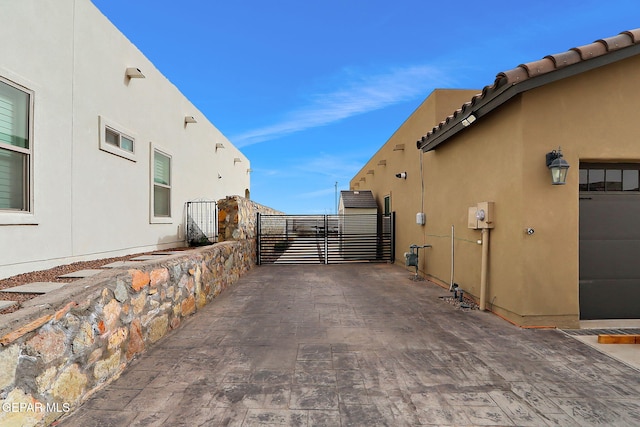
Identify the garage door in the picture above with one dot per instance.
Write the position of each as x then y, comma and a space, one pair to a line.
609, 241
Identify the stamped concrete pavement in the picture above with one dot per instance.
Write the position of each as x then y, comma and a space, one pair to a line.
360, 345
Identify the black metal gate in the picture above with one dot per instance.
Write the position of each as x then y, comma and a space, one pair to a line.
325, 239
202, 223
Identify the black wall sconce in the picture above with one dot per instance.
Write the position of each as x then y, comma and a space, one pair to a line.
558, 167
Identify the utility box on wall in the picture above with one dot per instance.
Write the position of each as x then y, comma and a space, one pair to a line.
481, 216
485, 214
473, 220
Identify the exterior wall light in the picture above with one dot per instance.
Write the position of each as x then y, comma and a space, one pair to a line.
401, 175
558, 167
468, 120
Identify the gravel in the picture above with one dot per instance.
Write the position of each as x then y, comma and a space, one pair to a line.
51, 275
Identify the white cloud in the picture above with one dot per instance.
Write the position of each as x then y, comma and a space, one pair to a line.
361, 94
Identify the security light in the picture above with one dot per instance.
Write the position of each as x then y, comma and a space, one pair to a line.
468, 120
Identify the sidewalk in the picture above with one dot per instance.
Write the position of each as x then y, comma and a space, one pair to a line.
360, 345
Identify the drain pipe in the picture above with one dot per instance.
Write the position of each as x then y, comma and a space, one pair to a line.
452, 256
484, 269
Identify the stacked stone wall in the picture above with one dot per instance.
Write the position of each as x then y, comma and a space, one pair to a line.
237, 218
63, 346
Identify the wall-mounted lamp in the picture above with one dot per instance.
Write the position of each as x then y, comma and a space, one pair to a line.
401, 175
236, 160
468, 120
134, 73
219, 176
190, 119
558, 167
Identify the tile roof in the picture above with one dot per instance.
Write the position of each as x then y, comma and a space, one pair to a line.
530, 75
362, 199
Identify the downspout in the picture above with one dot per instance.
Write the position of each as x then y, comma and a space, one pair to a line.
484, 269
453, 254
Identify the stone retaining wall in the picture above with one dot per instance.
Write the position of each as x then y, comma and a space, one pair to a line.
61, 347
237, 218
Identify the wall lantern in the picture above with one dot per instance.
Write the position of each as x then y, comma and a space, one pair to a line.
558, 167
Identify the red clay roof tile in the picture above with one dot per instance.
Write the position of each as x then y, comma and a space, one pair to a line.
523, 72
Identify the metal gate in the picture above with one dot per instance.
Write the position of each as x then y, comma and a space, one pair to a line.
325, 239
202, 223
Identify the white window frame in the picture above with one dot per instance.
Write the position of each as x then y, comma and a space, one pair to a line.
22, 216
105, 124
153, 219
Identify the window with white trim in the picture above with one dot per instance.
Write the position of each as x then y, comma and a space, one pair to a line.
115, 140
161, 184
15, 148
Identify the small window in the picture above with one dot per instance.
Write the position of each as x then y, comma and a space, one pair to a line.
15, 148
161, 184
115, 140
613, 180
610, 178
630, 180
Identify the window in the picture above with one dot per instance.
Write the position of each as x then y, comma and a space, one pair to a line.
161, 184
387, 205
15, 148
610, 177
114, 140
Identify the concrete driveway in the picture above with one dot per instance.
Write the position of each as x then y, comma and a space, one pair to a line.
360, 345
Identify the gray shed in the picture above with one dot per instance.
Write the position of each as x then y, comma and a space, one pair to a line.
360, 202
358, 224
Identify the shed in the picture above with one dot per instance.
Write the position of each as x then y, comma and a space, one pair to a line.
357, 202
358, 223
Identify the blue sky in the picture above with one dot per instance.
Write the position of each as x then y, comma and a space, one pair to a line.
310, 90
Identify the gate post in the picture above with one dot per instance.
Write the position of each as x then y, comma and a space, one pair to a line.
326, 239
258, 238
392, 254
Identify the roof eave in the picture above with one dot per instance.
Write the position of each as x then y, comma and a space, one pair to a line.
489, 103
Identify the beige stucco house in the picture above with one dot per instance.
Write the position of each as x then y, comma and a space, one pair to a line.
544, 255
99, 152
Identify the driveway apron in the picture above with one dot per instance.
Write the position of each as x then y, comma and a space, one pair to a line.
360, 345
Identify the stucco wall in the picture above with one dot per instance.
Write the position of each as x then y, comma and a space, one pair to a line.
533, 279
89, 203
406, 193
